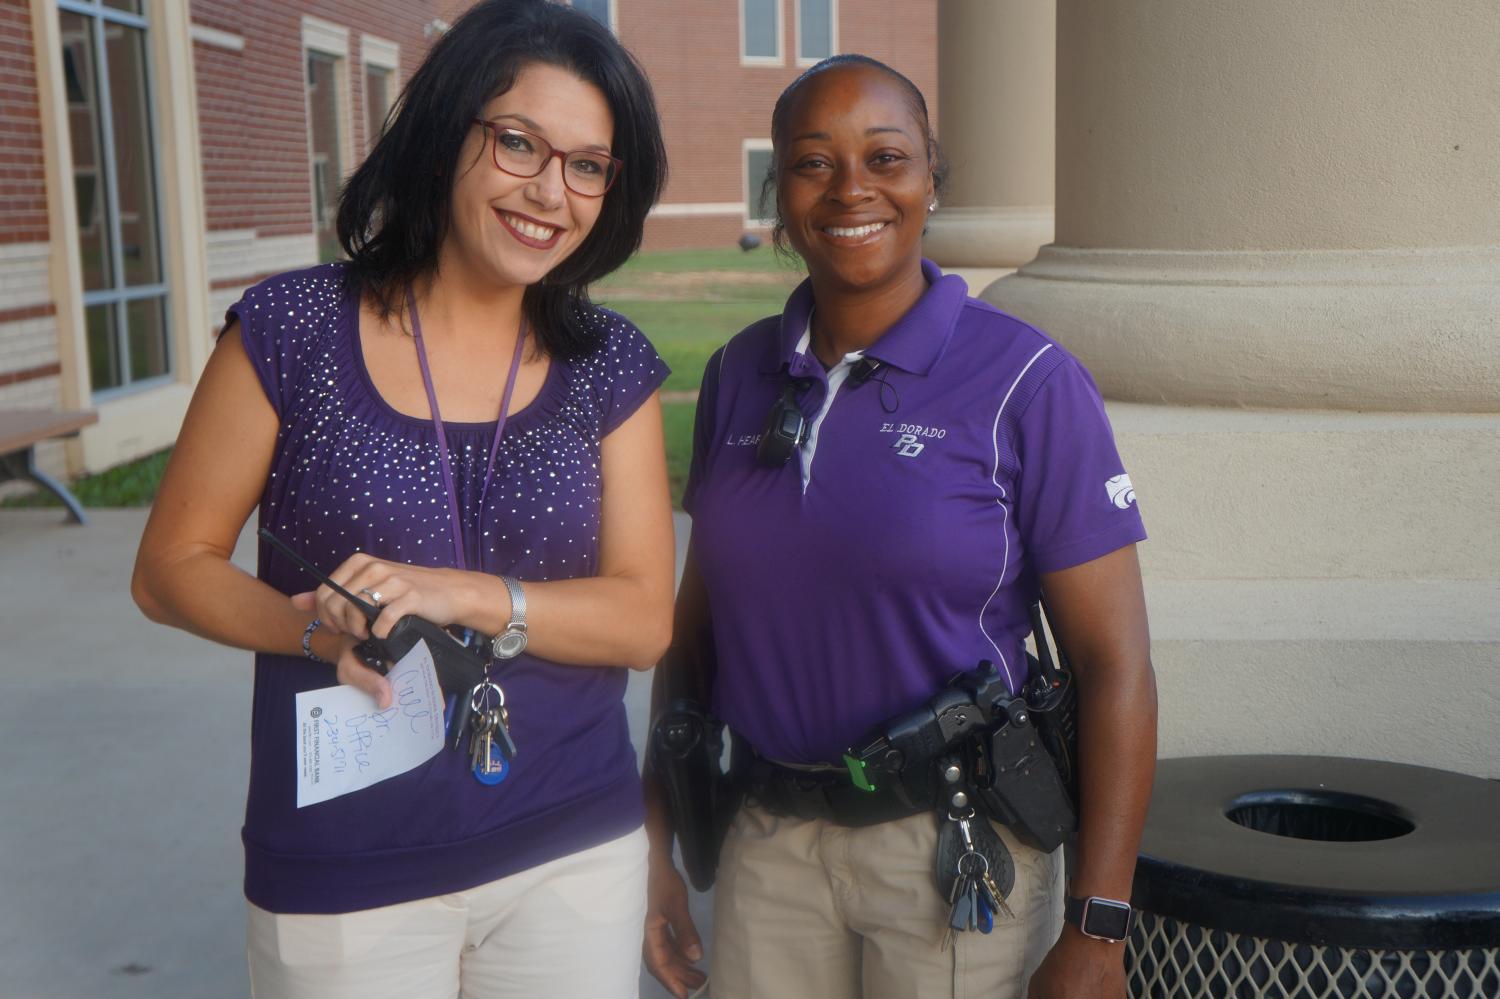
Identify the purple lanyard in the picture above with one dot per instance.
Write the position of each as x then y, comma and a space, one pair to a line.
442, 436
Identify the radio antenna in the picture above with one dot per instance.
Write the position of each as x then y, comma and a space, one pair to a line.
370, 611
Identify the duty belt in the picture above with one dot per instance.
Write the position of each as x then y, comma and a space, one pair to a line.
818, 793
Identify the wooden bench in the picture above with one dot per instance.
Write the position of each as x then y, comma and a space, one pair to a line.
21, 430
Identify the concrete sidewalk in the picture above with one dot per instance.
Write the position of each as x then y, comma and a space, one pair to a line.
124, 749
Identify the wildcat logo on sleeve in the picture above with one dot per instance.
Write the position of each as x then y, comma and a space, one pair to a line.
1121, 492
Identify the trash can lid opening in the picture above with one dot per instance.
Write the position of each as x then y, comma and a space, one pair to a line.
1319, 814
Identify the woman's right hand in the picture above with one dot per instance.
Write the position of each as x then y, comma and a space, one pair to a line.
671, 947
337, 648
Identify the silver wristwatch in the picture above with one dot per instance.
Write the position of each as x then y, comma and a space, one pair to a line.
512, 641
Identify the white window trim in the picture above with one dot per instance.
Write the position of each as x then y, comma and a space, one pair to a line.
779, 59
833, 34
217, 38
325, 36
697, 209
746, 147
149, 419
328, 39
380, 53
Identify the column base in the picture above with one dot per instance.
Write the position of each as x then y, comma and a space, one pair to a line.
1313, 577
1394, 330
987, 237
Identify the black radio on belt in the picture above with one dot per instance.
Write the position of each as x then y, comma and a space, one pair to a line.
1007, 757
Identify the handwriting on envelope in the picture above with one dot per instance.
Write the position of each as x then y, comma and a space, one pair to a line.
345, 743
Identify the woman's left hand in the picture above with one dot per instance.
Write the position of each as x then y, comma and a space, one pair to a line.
1078, 967
437, 595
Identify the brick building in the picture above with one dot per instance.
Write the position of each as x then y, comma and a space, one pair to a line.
158, 156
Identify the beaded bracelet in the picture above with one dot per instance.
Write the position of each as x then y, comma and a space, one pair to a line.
307, 635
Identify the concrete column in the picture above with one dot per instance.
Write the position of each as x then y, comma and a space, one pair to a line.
1278, 251
996, 73
1277, 203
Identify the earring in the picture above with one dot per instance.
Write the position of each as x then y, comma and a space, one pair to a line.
932, 207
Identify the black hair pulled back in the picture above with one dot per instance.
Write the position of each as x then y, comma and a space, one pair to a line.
394, 211
914, 99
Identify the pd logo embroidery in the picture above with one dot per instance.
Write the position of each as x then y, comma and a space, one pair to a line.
1121, 492
907, 446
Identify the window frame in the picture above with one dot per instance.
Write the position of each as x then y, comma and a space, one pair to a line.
383, 55
779, 59
833, 34
331, 41
147, 416
747, 146
119, 297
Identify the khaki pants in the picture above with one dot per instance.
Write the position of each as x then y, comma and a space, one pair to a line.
811, 909
571, 927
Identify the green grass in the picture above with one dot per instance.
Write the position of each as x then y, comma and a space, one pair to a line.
687, 333
686, 322
677, 425
761, 260
131, 484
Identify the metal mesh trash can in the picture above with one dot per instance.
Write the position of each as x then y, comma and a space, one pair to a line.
1302, 877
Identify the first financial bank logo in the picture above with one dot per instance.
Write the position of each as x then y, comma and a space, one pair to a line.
1121, 492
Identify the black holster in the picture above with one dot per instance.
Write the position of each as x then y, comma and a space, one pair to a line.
686, 749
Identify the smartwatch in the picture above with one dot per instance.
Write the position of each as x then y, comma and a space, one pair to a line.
512, 641
1100, 918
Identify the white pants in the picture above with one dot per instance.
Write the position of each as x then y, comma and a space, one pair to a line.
571, 927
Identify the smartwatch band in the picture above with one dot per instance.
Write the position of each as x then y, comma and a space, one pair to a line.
512, 641
1100, 918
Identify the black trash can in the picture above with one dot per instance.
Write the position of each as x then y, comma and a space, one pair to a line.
1302, 877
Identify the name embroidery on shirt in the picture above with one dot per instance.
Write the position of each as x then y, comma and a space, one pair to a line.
909, 442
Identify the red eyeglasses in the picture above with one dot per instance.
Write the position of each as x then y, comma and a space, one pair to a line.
524, 154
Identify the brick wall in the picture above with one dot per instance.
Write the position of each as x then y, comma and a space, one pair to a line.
710, 103
23, 186
28, 325
253, 118
252, 113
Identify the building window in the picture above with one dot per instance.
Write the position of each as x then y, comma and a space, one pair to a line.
760, 32
381, 59
757, 159
108, 86
329, 146
599, 10
817, 30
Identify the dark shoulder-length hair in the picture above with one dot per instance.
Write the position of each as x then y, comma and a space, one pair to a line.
394, 211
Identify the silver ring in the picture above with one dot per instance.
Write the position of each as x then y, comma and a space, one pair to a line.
374, 595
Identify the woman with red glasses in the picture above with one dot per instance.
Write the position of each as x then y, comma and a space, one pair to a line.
445, 426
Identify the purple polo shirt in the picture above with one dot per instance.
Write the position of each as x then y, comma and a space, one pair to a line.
904, 545
352, 474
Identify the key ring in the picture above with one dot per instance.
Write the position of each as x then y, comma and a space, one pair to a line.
984, 869
480, 697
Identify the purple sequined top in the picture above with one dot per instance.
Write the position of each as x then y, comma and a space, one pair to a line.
351, 474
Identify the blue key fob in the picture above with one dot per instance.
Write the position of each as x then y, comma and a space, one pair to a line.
499, 768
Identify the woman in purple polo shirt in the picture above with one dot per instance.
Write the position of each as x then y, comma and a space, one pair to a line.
956, 463
356, 404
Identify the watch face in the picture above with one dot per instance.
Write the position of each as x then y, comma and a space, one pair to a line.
509, 645
1105, 918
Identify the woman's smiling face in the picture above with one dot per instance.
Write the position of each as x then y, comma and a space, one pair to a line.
854, 178
515, 230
